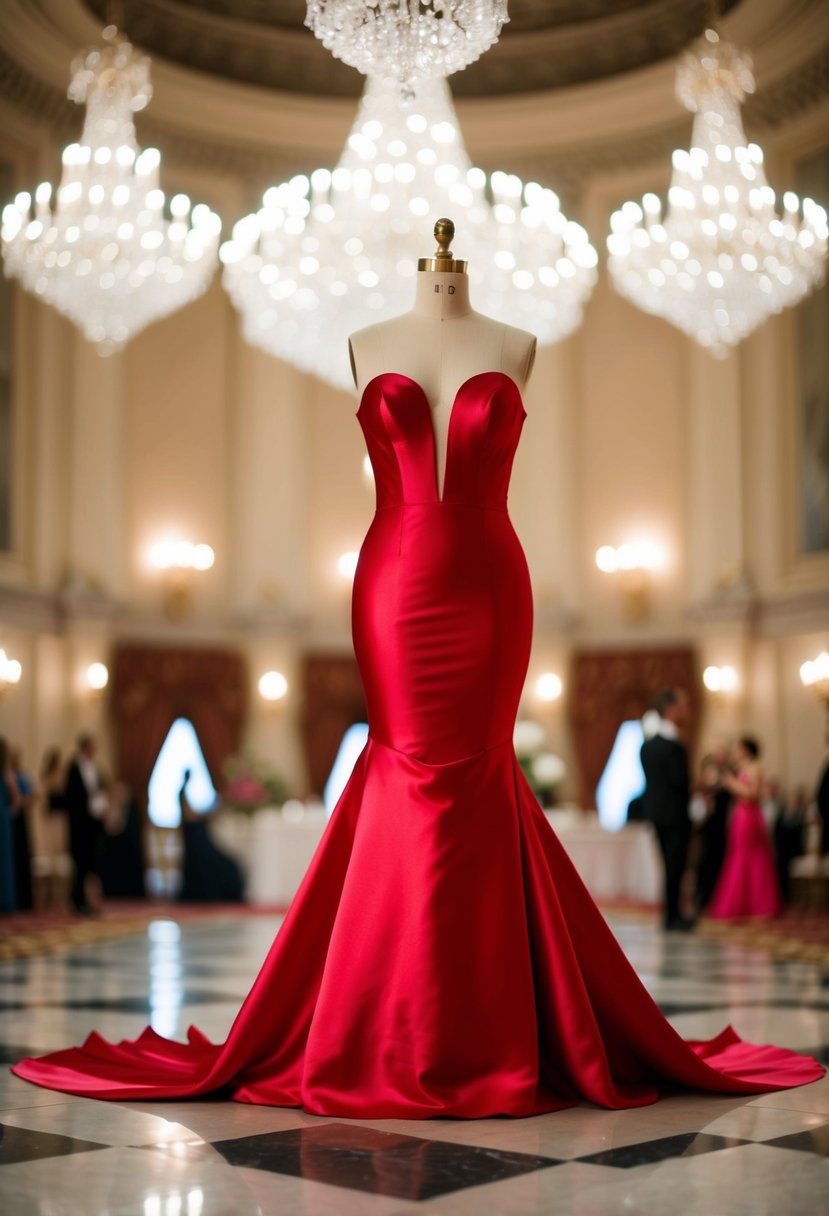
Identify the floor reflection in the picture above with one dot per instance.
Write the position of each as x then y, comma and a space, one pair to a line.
378, 1162
165, 975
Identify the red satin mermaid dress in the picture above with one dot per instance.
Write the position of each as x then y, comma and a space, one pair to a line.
442, 956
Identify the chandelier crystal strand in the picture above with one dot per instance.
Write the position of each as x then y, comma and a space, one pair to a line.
410, 40
106, 256
722, 259
329, 254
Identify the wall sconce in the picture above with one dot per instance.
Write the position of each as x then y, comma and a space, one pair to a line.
273, 688
10, 672
721, 682
815, 675
179, 561
633, 562
548, 687
97, 678
347, 563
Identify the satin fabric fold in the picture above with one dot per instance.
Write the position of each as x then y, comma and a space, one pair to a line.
442, 956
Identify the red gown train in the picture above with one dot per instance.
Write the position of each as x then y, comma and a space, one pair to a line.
442, 957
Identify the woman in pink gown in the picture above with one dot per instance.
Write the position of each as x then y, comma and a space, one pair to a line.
748, 884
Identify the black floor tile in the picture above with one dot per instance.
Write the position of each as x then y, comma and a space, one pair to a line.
687, 1144
10, 1053
22, 1144
821, 1054
815, 1140
672, 1007
378, 1162
124, 1004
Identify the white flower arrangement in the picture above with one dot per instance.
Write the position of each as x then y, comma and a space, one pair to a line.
543, 769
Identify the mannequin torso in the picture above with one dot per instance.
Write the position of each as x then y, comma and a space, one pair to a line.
441, 343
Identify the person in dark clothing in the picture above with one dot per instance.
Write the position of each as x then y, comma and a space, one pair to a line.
8, 806
208, 874
85, 802
667, 795
789, 838
20, 824
122, 864
822, 801
713, 829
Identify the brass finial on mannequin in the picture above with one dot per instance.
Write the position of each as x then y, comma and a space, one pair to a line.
443, 259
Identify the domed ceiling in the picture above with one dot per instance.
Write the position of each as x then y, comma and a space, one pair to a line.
545, 45
573, 88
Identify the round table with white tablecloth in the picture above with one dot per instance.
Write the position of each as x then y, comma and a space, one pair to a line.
615, 866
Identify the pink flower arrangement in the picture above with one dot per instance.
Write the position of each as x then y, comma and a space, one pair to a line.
249, 786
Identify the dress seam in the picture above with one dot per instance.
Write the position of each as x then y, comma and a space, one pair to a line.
442, 763
430, 502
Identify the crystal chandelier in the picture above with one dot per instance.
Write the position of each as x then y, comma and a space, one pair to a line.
329, 254
410, 40
722, 259
106, 256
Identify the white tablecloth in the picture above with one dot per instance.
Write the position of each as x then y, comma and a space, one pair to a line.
621, 865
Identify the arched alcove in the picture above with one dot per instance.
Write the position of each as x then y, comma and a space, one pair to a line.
180, 751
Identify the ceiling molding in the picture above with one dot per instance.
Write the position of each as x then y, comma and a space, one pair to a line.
564, 137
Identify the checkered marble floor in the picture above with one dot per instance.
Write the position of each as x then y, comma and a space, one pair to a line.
689, 1154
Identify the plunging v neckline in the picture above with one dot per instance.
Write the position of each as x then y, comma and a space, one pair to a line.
439, 482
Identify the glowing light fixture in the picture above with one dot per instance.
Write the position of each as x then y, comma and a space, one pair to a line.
179, 561
633, 555
719, 680
347, 563
634, 562
10, 672
722, 258
548, 686
411, 40
328, 254
181, 555
97, 677
106, 256
273, 686
814, 675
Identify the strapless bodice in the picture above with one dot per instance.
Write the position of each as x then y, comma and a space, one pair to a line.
484, 429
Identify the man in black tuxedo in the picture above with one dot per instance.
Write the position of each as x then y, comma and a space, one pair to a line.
667, 795
82, 799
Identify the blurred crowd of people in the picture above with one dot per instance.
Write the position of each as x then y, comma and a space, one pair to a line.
748, 832
68, 837
728, 839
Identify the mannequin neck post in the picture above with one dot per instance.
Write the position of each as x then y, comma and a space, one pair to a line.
441, 295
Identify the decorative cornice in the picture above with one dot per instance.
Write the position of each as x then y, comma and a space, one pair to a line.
28, 609
780, 614
566, 168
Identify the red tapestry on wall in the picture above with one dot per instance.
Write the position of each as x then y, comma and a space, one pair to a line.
333, 701
609, 687
152, 686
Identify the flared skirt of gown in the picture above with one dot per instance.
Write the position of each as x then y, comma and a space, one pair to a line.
448, 961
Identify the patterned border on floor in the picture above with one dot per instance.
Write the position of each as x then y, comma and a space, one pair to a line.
799, 937
27, 934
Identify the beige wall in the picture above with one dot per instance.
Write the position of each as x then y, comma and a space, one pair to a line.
631, 430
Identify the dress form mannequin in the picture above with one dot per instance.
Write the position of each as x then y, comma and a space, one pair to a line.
441, 343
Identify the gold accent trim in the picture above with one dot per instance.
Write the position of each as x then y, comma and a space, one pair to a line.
442, 259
